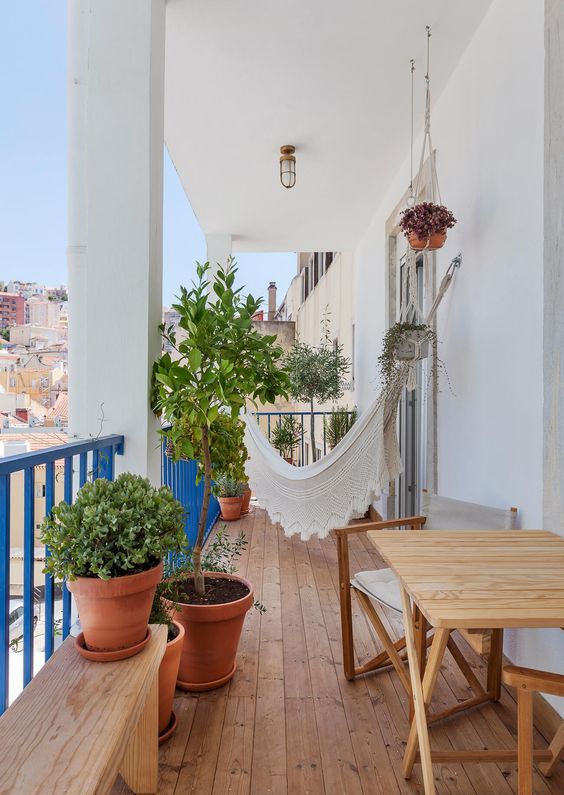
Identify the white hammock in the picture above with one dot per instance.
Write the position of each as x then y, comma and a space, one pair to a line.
314, 499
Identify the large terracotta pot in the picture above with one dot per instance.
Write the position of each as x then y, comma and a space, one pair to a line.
168, 672
211, 639
230, 508
246, 501
114, 613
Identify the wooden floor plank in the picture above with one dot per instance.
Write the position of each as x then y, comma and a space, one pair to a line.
290, 724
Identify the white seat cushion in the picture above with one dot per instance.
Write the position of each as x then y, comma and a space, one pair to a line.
380, 584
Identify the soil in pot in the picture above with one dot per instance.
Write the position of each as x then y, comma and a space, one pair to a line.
114, 613
168, 673
230, 508
246, 501
213, 625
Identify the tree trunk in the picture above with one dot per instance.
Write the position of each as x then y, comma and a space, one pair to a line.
312, 433
199, 583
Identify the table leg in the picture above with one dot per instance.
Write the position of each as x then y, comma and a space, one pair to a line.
140, 764
525, 741
422, 694
495, 665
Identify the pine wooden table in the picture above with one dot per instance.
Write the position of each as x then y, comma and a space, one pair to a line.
492, 579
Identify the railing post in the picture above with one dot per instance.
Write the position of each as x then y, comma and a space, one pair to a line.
4, 590
66, 592
29, 563
49, 581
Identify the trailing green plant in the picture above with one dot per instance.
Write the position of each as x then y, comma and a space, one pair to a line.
286, 435
113, 528
220, 556
338, 424
228, 487
393, 338
220, 361
317, 372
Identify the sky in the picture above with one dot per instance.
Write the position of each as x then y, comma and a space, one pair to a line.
33, 178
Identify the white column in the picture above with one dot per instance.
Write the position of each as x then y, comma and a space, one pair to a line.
116, 109
219, 248
553, 364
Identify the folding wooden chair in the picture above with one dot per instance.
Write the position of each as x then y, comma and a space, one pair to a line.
381, 586
528, 681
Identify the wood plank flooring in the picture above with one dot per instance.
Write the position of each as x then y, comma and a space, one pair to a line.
289, 722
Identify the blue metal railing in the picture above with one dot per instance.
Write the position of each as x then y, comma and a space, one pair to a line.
268, 419
100, 454
180, 477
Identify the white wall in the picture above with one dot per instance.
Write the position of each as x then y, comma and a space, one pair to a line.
488, 131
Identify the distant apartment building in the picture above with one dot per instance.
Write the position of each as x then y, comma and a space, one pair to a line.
12, 309
36, 336
41, 311
170, 318
25, 289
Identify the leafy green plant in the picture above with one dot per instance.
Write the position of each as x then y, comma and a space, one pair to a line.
228, 487
220, 362
338, 424
286, 435
317, 373
393, 338
226, 441
113, 528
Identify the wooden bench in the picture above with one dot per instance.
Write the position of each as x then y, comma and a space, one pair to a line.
79, 723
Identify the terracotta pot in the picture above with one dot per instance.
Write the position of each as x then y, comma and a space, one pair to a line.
230, 508
168, 672
289, 459
246, 501
417, 243
211, 639
436, 240
114, 613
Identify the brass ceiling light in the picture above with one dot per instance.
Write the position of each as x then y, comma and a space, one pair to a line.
287, 166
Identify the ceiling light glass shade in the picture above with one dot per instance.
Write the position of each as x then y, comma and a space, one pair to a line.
287, 166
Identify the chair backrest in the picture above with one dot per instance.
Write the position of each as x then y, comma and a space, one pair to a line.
444, 513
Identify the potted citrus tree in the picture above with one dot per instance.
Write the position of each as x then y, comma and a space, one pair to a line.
220, 361
425, 225
109, 545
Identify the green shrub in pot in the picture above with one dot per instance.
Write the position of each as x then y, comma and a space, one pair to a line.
112, 539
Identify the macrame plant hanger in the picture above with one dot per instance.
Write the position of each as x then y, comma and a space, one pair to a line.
411, 309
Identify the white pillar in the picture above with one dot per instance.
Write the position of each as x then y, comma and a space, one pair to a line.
116, 110
219, 248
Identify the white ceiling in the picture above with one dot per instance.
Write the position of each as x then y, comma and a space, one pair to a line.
331, 77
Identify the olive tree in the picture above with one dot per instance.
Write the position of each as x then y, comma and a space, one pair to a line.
220, 361
317, 372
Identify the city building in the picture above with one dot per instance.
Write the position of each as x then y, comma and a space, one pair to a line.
12, 309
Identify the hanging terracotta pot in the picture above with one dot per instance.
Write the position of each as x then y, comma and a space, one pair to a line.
417, 243
230, 508
212, 633
114, 613
168, 673
436, 240
246, 501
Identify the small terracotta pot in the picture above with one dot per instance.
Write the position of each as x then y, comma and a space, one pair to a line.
289, 459
246, 501
230, 508
417, 243
114, 613
211, 639
431, 243
168, 672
